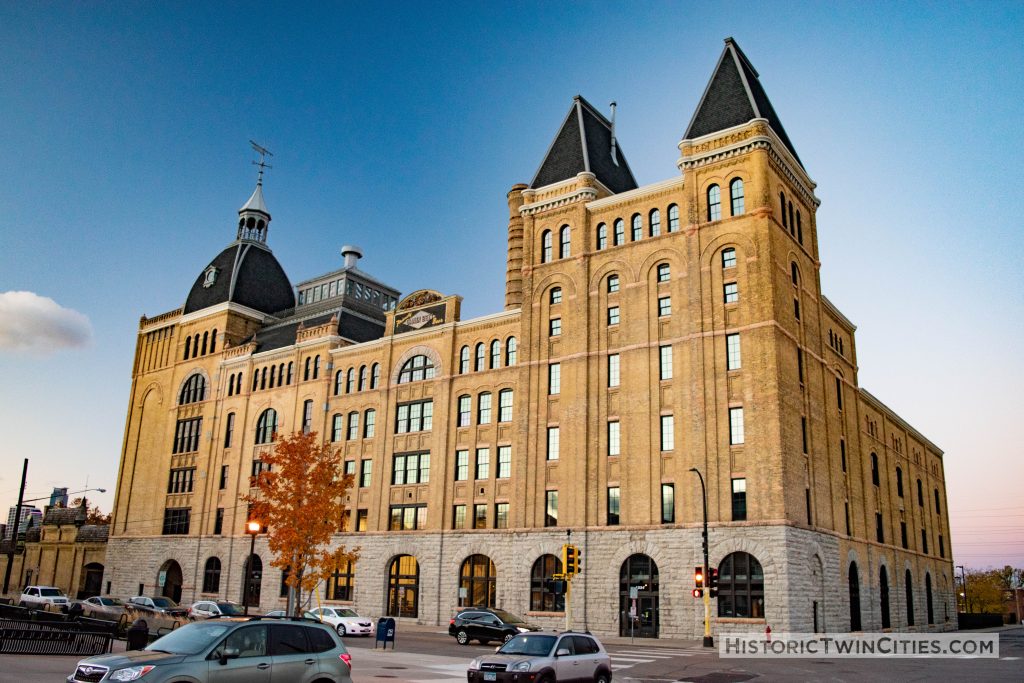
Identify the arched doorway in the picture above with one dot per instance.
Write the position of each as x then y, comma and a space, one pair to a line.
639, 572
478, 582
854, 598
92, 580
169, 580
883, 592
403, 587
251, 597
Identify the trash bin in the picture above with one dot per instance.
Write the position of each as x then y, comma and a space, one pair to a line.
137, 635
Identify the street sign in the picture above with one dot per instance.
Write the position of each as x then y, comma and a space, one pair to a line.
463, 592
161, 579
632, 609
634, 593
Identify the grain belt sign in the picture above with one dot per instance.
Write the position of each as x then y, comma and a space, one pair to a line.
418, 319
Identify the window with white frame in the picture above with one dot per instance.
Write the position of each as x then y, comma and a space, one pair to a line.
553, 443
613, 315
465, 409
613, 283
664, 272
461, 465
602, 236
732, 292
668, 433
732, 352
504, 462
665, 362
554, 379
619, 236
613, 370
714, 203
614, 436
638, 228
505, 405
556, 296
555, 327
673, 218
369, 423
664, 306
414, 417
655, 226
729, 258
483, 408
483, 464
735, 426
736, 196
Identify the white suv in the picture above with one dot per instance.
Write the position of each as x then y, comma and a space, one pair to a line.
38, 597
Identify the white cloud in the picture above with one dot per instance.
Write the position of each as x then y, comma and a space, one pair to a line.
29, 322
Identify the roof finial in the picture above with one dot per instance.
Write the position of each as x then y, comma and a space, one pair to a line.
262, 163
615, 156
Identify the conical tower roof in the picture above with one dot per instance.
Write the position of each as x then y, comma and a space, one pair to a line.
256, 202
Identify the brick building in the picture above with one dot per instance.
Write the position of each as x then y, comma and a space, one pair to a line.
646, 331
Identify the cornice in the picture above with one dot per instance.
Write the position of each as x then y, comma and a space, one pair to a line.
639, 193
891, 415
226, 307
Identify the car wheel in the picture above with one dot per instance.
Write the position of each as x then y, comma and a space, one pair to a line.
509, 636
602, 677
340, 629
462, 638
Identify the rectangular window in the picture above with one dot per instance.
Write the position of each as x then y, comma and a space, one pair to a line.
501, 515
733, 360
461, 465
350, 467
410, 468
664, 272
464, 411
480, 516
505, 405
337, 427
613, 370
732, 293
218, 522
668, 503
407, 517
613, 315
229, 430
665, 363
729, 258
796, 308
186, 435
839, 393
362, 520
668, 433
353, 426
924, 541
735, 426
459, 517
942, 547
483, 464
555, 327
307, 416
181, 480
551, 508
371, 424
414, 417
903, 534
613, 505
846, 507
842, 453
553, 443
223, 477
807, 500
483, 409
176, 521
504, 462
739, 500
803, 432
613, 438
664, 306
365, 472
879, 528
800, 365
554, 379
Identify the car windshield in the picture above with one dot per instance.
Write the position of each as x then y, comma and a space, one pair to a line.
347, 613
110, 602
229, 608
508, 617
190, 639
50, 592
528, 644
164, 602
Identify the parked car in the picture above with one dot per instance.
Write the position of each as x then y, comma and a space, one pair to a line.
38, 597
231, 649
545, 657
344, 620
279, 613
204, 609
158, 604
101, 607
485, 624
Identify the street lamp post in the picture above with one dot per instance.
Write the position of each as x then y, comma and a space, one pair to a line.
963, 582
708, 640
252, 528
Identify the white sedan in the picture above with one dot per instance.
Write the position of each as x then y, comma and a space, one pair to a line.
344, 620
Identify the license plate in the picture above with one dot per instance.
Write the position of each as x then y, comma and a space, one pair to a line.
490, 676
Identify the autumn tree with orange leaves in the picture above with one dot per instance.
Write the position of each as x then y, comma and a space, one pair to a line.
300, 499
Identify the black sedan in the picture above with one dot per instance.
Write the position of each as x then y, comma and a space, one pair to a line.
485, 625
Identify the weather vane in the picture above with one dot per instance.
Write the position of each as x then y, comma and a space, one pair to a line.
262, 163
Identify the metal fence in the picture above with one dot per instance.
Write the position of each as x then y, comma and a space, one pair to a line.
43, 633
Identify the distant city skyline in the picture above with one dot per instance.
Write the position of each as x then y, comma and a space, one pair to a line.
127, 156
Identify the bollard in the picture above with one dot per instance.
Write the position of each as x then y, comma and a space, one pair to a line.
137, 635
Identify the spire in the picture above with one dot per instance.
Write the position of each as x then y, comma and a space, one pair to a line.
585, 142
253, 217
734, 96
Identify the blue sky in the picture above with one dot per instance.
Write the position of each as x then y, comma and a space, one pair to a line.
400, 127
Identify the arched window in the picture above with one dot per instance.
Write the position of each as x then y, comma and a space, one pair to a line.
655, 223
306, 369
362, 377
673, 218
231, 385
193, 391
510, 351
909, 589
266, 427
255, 380
213, 341
316, 367
545, 246
854, 597
495, 354
375, 376
619, 235
478, 576
563, 242
188, 347
478, 363
341, 585
542, 599
505, 398
263, 378
353, 426
273, 375
195, 346
415, 369
799, 229
350, 380
792, 223
464, 360
369, 423
714, 203
602, 236
403, 587
782, 208
883, 596
740, 587
291, 372
337, 427
794, 273
736, 196
211, 576
874, 469
339, 382
206, 337
637, 231
928, 598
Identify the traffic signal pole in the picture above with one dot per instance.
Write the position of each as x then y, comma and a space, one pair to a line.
708, 640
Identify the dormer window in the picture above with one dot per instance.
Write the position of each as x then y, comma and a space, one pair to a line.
209, 276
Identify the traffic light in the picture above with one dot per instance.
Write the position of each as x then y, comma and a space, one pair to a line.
555, 586
698, 581
713, 582
569, 559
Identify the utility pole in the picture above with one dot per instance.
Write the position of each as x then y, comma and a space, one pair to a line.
14, 532
708, 640
568, 587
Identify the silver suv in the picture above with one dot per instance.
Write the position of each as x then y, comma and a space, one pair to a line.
242, 650
38, 597
547, 658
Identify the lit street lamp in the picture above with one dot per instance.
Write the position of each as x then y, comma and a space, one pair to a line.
708, 640
252, 528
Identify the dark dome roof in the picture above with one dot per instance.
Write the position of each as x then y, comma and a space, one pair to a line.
247, 274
